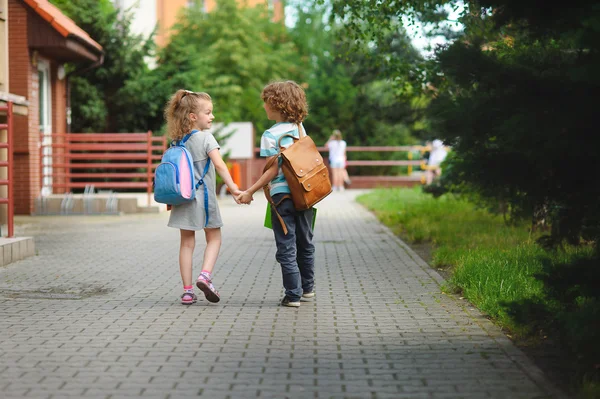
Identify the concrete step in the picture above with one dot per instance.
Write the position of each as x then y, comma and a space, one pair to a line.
14, 249
95, 204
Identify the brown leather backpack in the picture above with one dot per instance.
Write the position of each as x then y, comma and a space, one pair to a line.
305, 173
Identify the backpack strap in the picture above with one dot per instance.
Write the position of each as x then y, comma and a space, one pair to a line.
301, 132
187, 136
267, 192
184, 139
201, 183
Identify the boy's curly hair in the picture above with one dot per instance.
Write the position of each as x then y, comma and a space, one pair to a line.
178, 110
288, 98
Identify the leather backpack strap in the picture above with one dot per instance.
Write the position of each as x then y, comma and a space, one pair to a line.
301, 134
301, 131
270, 199
284, 136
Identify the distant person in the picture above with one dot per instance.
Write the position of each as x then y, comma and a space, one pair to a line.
337, 160
437, 155
189, 115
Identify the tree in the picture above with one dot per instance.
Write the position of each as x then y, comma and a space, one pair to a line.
231, 53
116, 97
514, 96
349, 91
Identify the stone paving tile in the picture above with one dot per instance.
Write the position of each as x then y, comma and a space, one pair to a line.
96, 314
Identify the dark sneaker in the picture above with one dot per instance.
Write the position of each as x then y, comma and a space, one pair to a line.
188, 298
286, 301
206, 286
308, 294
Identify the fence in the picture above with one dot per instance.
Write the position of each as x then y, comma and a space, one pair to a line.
9, 165
105, 160
368, 181
127, 161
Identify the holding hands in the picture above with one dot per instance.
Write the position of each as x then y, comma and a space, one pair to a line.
235, 192
244, 198
239, 196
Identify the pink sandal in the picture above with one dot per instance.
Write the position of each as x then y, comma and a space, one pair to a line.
188, 298
205, 285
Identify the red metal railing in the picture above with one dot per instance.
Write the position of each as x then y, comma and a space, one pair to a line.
372, 181
409, 178
9, 165
105, 160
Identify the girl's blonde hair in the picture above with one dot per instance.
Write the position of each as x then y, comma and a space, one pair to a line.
337, 134
178, 110
287, 98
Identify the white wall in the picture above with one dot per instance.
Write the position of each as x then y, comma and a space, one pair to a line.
144, 18
240, 140
144, 14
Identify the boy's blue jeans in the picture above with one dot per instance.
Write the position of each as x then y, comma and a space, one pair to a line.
295, 251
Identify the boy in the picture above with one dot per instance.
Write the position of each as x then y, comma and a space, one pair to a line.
285, 103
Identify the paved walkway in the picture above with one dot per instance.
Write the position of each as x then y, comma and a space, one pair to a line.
96, 314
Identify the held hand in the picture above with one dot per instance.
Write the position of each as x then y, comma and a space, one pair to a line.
245, 198
235, 193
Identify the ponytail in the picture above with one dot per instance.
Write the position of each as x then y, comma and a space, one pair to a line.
178, 109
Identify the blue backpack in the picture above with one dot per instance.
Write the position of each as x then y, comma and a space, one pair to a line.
174, 176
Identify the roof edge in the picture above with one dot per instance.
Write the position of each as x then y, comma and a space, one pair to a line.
75, 32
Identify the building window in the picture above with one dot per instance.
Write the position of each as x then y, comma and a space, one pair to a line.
196, 3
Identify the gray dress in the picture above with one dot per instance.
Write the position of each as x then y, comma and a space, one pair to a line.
191, 215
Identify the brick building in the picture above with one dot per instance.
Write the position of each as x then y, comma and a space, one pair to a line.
39, 40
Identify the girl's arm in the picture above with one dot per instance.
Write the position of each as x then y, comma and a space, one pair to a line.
221, 168
246, 196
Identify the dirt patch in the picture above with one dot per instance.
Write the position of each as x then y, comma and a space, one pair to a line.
55, 293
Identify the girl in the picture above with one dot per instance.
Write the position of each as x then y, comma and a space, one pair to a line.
337, 160
188, 112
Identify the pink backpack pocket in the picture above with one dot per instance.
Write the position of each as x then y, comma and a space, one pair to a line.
185, 177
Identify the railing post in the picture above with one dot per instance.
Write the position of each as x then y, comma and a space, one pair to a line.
67, 158
9, 138
41, 162
149, 167
410, 157
9, 200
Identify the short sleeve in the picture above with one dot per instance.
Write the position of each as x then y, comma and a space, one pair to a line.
268, 145
210, 143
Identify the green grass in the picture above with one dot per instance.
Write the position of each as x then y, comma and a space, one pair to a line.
502, 271
453, 226
492, 264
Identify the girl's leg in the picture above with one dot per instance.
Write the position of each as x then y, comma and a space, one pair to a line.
186, 251
204, 281
213, 246
346, 176
334, 178
339, 179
